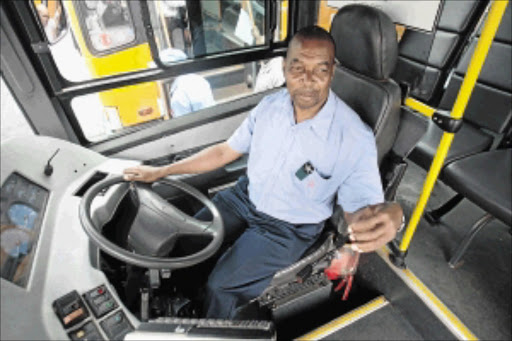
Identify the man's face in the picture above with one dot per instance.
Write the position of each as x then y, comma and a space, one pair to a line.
308, 70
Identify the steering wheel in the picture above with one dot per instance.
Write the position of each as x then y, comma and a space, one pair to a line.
156, 222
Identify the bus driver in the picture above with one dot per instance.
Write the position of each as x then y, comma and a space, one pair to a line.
306, 147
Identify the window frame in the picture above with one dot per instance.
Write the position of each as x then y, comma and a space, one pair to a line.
62, 91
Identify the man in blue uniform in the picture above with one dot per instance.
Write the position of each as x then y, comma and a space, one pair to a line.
190, 93
307, 149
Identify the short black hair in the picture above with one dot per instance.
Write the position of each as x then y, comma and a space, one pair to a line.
314, 32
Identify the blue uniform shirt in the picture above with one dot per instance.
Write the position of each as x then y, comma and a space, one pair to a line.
190, 93
336, 142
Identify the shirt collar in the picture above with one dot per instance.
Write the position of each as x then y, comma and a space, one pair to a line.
322, 120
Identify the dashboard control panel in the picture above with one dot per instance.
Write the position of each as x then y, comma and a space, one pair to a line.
72, 310
100, 301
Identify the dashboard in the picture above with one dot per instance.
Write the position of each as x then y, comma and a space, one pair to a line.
50, 286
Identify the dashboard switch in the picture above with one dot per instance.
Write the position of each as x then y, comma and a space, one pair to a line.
100, 300
87, 332
70, 309
116, 326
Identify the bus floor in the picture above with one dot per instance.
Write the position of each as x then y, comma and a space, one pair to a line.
478, 290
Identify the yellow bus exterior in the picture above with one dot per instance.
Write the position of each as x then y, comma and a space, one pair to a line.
134, 104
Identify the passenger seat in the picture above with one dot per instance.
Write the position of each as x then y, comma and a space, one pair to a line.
425, 59
488, 113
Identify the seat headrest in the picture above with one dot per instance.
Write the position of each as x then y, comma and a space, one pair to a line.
365, 41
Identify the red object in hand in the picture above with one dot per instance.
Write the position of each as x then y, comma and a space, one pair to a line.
348, 281
343, 265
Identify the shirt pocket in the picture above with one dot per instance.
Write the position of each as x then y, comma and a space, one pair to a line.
314, 186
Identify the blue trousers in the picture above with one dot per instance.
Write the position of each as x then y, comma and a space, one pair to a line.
265, 246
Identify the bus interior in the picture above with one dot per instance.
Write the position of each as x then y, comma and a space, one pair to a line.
90, 88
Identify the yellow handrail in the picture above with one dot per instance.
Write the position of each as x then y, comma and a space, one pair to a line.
477, 60
420, 107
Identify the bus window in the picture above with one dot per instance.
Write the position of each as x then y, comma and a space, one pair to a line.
108, 38
104, 114
206, 27
52, 19
105, 38
108, 24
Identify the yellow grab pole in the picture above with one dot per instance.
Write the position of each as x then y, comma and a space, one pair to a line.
420, 107
477, 60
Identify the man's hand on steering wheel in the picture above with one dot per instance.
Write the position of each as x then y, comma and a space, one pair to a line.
374, 226
143, 173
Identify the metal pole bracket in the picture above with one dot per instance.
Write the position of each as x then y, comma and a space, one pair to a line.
447, 123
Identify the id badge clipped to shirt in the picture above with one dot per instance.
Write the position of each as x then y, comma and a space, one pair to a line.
304, 171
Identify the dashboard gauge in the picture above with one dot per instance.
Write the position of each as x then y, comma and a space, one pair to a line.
22, 215
15, 241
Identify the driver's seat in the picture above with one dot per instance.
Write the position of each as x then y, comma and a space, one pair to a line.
367, 52
366, 49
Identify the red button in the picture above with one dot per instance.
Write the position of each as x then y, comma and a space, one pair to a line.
100, 291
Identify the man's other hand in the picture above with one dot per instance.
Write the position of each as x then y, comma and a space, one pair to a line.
374, 226
143, 173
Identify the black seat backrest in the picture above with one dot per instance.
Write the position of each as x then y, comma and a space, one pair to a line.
366, 48
490, 105
425, 58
